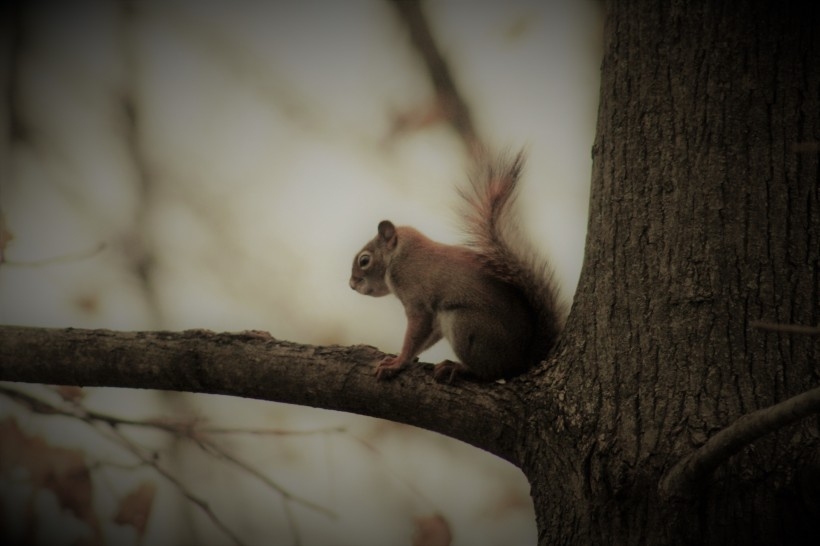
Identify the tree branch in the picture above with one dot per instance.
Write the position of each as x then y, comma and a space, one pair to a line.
441, 76
685, 476
255, 365
198, 501
786, 328
187, 431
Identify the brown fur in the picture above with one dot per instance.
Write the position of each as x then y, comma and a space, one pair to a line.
492, 301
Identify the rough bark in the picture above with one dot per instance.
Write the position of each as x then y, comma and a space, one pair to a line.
686, 477
255, 365
704, 216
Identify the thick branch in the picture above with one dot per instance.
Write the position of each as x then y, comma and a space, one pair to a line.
690, 471
254, 365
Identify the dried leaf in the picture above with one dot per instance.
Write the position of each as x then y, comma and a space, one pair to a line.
70, 393
135, 508
88, 303
5, 237
60, 470
432, 531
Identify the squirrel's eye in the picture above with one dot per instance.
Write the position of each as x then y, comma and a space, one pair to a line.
364, 260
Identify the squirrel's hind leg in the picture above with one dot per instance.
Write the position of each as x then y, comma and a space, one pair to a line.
446, 370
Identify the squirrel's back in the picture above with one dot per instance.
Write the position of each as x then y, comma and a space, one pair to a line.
493, 232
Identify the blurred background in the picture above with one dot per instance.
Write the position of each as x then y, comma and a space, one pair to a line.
201, 164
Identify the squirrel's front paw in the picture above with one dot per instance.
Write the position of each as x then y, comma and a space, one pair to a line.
388, 368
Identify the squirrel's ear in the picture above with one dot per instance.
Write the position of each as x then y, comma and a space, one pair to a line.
387, 231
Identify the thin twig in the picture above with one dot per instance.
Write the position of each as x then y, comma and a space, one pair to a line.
197, 434
219, 451
185, 430
184, 427
271, 431
40, 406
396, 475
806, 147
201, 503
684, 477
62, 258
291, 519
786, 328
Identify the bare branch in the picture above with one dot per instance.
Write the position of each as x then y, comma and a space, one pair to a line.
806, 147
202, 504
253, 365
40, 406
375, 452
786, 328
220, 452
685, 476
445, 86
62, 258
186, 430
271, 431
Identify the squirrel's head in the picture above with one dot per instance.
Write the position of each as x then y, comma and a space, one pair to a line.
370, 264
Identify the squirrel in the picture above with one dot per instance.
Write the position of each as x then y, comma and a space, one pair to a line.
494, 300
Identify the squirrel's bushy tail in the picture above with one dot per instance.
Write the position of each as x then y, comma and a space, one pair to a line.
493, 231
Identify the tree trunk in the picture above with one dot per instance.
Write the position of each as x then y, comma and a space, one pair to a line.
704, 217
